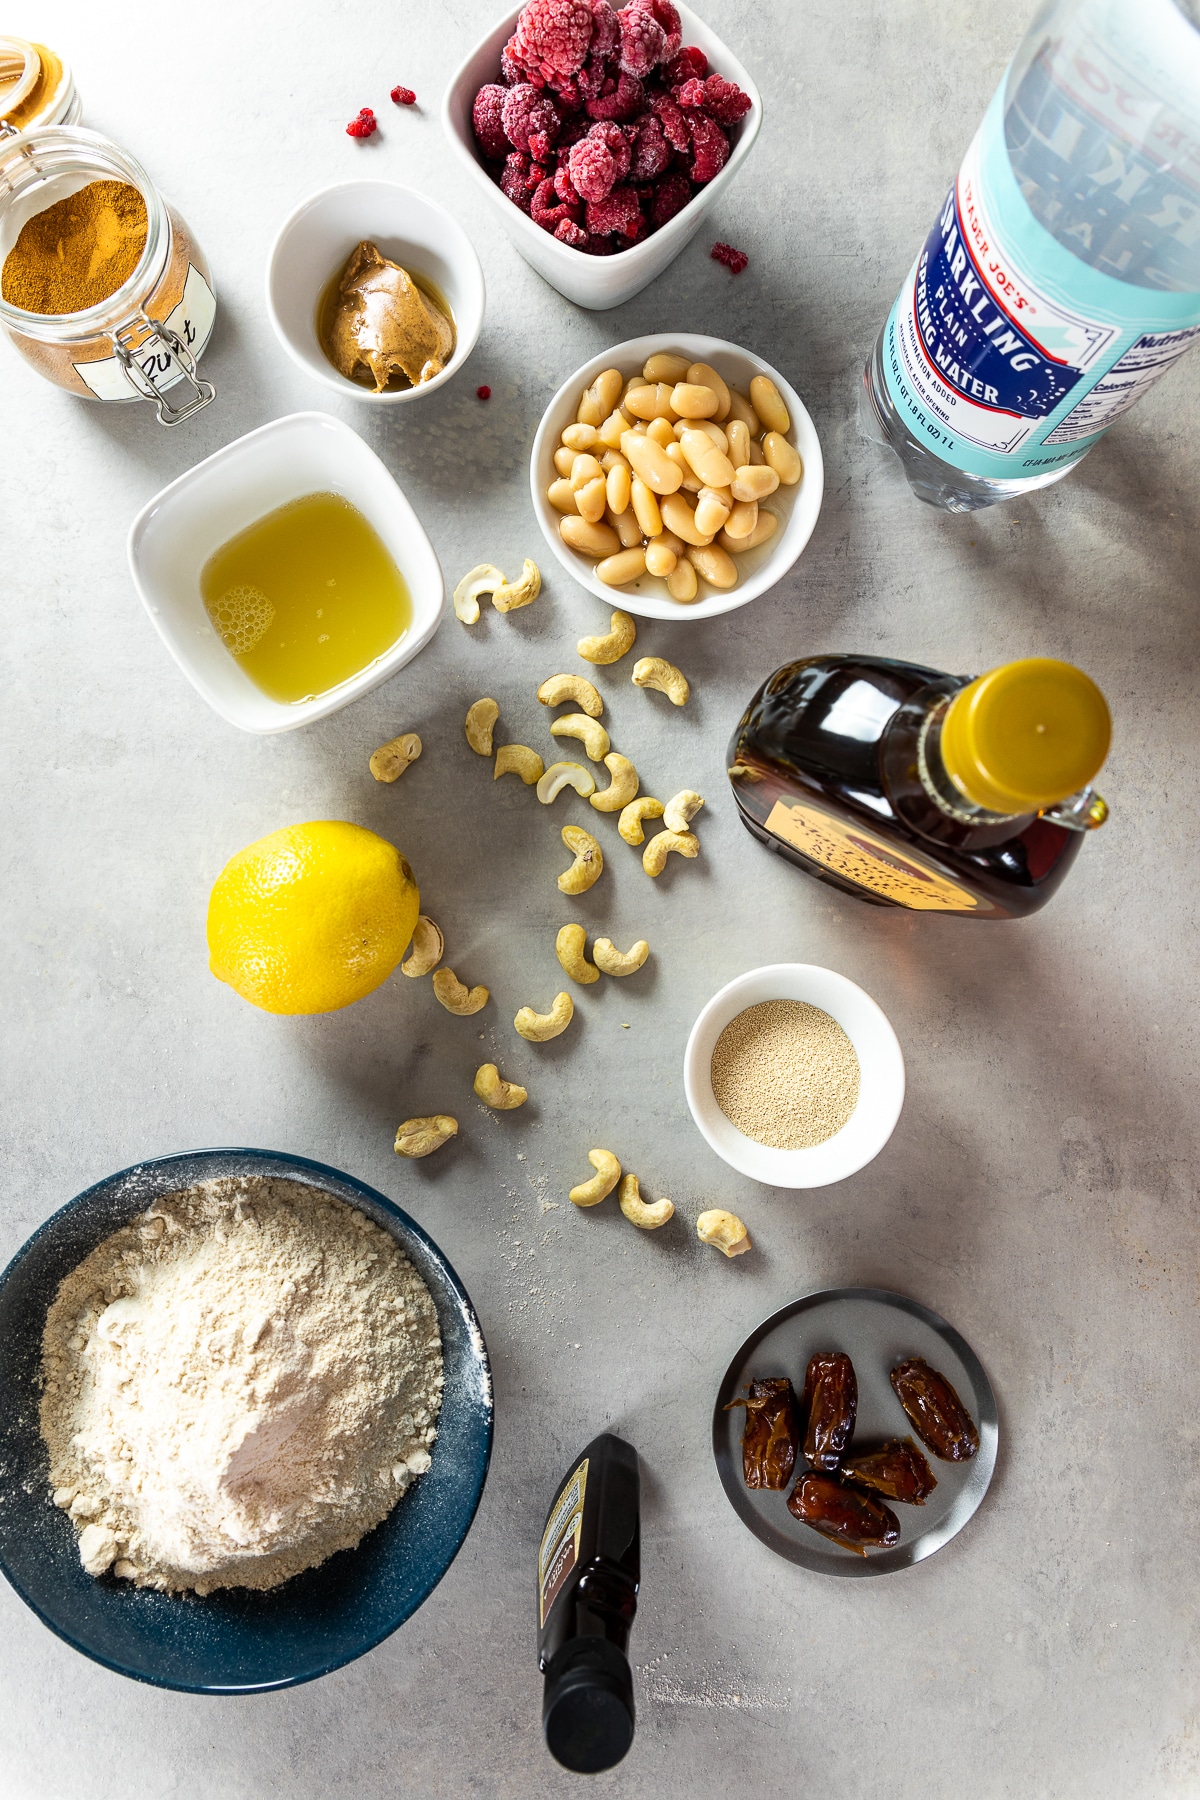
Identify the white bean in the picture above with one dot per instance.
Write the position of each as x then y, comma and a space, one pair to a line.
751, 483
660, 558
651, 462
783, 457
767, 402
625, 566
704, 375
645, 507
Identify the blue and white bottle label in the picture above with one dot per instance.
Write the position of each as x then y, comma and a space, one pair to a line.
1006, 355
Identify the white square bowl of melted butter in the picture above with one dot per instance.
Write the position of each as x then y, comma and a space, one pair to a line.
177, 532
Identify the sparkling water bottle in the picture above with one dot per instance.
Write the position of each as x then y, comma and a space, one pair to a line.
1062, 276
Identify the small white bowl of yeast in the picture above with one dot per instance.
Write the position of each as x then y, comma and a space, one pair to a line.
880, 1089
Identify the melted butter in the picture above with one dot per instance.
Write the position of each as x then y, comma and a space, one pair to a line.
306, 597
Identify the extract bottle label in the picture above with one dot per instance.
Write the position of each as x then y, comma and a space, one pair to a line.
857, 855
560, 1540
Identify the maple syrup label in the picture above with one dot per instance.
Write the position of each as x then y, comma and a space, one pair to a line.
560, 1540
859, 856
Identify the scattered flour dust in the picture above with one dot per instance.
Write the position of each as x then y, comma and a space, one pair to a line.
237, 1384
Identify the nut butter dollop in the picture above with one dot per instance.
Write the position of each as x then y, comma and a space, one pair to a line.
380, 322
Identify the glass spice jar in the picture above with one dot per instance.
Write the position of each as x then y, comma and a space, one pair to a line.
144, 340
36, 87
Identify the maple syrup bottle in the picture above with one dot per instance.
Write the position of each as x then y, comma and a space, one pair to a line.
908, 787
589, 1566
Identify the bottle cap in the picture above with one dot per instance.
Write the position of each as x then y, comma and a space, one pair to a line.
587, 1709
1026, 735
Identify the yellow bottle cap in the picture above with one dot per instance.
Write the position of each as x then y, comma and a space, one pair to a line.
1024, 736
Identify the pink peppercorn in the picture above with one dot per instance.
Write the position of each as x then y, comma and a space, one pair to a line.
484, 392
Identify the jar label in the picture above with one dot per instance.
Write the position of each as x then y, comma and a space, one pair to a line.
191, 320
1004, 353
560, 1540
870, 862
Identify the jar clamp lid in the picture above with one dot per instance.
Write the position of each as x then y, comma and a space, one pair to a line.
1026, 735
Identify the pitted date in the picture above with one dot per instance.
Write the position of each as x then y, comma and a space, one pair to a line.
772, 1434
936, 1413
828, 1407
898, 1472
853, 1520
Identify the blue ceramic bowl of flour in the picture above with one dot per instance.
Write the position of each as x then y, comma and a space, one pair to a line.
234, 1641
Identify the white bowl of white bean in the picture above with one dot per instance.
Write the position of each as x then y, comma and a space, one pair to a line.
722, 492
794, 1076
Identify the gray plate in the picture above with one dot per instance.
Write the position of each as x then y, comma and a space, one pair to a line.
876, 1330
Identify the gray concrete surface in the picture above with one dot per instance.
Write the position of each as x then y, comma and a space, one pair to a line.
1040, 1188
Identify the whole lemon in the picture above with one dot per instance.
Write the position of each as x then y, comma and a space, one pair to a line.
312, 917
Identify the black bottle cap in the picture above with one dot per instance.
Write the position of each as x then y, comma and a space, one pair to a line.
587, 1708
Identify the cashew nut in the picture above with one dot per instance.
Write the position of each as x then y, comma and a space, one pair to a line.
615, 643
621, 789
724, 1230
513, 594
391, 759
484, 578
538, 1027
426, 950
557, 688
657, 672
421, 1137
518, 759
630, 822
654, 856
590, 733
588, 866
570, 947
456, 998
561, 775
480, 719
602, 1183
616, 962
502, 1095
681, 809
647, 1215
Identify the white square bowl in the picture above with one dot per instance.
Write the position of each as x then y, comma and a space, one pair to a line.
798, 507
175, 534
597, 282
881, 1077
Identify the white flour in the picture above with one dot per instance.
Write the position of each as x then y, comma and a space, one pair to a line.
239, 1383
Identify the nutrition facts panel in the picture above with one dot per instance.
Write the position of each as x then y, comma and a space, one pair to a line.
1140, 367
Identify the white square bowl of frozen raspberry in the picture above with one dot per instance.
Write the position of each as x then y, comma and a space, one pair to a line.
575, 241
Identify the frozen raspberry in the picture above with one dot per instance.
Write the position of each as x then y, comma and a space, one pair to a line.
664, 14
651, 151
568, 94
404, 96
535, 177
710, 145
574, 128
365, 124
567, 232
722, 100
621, 99
592, 168
670, 196
606, 32
531, 120
483, 392
514, 180
547, 214
552, 37
689, 93
617, 212
616, 143
690, 63
643, 40
735, 260
564, 187
673, 122
510, 69
487, 119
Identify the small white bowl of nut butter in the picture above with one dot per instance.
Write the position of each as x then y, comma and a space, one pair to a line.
676, 476
373, 289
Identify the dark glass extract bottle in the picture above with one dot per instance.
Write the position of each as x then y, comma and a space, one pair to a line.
589, 1566
907, 787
